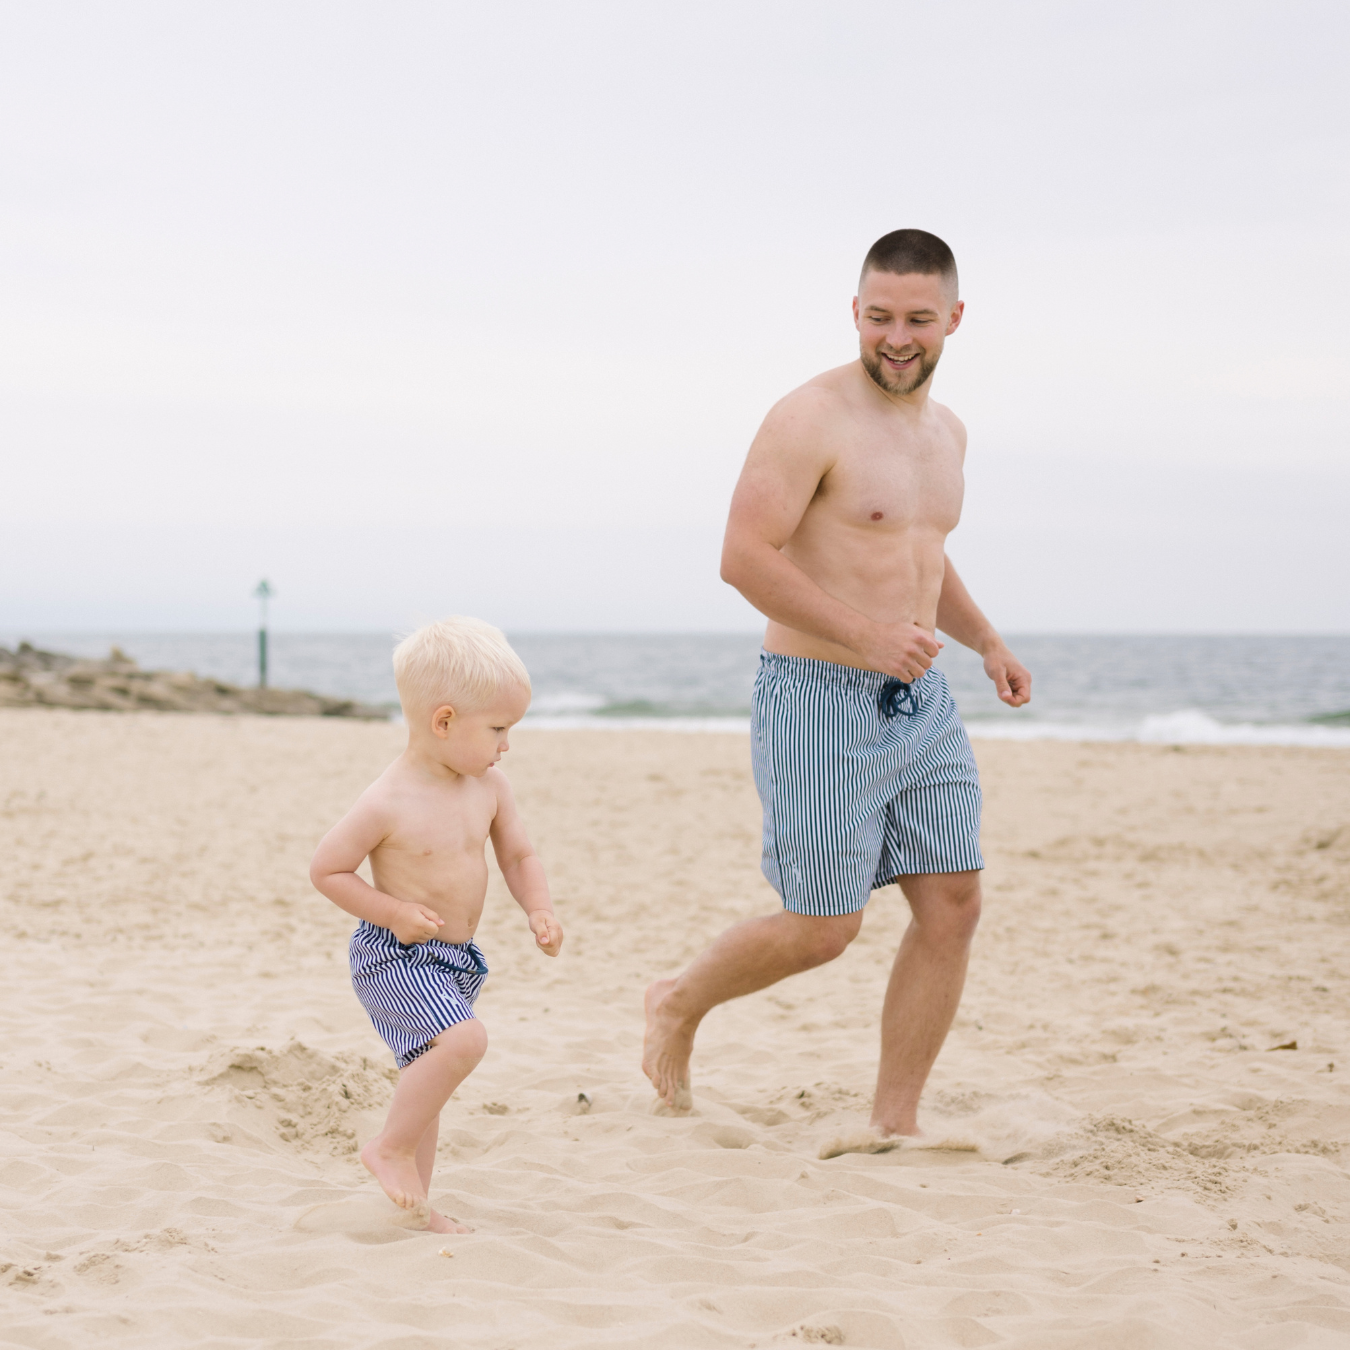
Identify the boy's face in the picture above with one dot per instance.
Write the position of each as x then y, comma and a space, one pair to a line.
472, 742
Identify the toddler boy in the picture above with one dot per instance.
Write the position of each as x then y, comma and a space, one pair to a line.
423, 824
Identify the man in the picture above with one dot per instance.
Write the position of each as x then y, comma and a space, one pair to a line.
836, 534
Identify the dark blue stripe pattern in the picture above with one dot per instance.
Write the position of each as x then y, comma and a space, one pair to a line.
414, 992
855, 796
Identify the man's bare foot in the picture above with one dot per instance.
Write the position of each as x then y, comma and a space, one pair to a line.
438, 1223
874, 1139
666, 1048
865, 1140
397, 1175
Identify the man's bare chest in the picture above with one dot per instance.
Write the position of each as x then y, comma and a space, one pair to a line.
889, 483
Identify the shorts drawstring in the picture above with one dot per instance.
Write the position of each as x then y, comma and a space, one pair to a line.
898, 697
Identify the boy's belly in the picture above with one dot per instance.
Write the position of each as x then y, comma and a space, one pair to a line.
454, 894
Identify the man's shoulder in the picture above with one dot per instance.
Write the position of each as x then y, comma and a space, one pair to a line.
812, 407
949, 421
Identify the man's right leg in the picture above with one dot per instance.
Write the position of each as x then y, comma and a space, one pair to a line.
750, 956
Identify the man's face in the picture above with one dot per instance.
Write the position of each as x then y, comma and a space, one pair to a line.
902, 323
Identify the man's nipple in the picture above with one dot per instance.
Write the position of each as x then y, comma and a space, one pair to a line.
877, 515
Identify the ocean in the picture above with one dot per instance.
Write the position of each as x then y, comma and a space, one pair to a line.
1266, 689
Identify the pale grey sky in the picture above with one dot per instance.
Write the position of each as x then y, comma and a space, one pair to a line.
430, 307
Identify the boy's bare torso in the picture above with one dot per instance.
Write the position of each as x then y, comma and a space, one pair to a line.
433, 851
874, 533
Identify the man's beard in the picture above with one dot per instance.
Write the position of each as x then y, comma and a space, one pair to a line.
898, 382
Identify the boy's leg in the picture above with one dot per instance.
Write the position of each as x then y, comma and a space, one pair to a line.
426, 1152
423, 1089
750, 956
426, 1163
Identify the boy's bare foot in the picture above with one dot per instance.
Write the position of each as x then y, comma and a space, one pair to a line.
666, 1048
397, 1175
438, 1223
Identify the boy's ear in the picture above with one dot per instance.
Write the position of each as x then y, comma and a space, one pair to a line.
441, 719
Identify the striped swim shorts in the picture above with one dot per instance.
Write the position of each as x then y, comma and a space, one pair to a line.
413, 992
863, 780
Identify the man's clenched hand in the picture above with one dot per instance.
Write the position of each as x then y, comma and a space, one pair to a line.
1011, 678
903, 650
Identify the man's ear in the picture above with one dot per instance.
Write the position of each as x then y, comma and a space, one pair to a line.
856, 321
958, 309
441, 719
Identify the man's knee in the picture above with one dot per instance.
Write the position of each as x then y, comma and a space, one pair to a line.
964, 914
821, 938
946, 906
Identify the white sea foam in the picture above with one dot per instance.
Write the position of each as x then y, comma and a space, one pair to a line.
1195, 728
564, 704
1189, 727
1180, 728
736, 725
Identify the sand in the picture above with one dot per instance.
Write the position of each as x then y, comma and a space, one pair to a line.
185, 1074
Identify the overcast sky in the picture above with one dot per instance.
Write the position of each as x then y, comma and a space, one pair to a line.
419, 308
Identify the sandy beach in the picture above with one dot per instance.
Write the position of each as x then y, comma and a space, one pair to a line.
1147, 1079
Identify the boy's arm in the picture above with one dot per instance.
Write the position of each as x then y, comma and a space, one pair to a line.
333, 871
522, 870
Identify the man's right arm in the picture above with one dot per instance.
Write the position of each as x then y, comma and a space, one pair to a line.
787, 461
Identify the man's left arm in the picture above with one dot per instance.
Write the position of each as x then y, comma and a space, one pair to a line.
959, 616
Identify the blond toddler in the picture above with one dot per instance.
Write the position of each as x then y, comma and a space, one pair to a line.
423, 824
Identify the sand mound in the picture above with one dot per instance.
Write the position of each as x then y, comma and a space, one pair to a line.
305, 1097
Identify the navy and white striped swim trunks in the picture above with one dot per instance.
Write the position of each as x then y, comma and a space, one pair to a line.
414, 992
863, 779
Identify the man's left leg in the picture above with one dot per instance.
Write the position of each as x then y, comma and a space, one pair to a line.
924, 991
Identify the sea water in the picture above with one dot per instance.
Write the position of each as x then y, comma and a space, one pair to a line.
1266, 689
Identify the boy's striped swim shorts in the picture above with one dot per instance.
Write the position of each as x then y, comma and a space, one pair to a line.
863, 780
413, 992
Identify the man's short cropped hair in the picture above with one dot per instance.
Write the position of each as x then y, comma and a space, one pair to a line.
460, 661
904, 251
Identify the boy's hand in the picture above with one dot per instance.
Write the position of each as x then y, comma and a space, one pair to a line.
547, 932
415, 923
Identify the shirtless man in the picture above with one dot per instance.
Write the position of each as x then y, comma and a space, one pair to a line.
836, 534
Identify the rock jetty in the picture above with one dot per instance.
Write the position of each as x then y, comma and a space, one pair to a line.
31, 678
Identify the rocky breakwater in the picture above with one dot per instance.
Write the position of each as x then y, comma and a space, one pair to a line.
31, 678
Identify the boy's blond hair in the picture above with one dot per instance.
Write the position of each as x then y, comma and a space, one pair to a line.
459, 661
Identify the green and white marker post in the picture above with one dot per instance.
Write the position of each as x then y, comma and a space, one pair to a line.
264, 592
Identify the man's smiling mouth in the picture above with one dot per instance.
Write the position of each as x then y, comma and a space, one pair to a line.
900, 360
